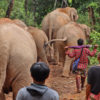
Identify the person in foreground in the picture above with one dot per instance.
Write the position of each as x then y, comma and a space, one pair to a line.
83, 54
93, 82
37, 90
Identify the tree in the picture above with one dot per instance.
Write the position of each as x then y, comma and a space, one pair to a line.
8, 12
26, 6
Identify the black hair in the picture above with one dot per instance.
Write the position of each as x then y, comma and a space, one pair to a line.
39, 71
80, 41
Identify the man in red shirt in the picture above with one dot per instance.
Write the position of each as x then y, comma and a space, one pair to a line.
93, 82
83, 63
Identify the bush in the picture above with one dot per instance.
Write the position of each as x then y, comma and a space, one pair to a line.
95, 39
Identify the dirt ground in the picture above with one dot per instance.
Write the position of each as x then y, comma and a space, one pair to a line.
65, 86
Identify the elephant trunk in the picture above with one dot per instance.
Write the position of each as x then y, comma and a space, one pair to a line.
55, 40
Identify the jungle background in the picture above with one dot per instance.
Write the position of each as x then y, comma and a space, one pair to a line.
33, 11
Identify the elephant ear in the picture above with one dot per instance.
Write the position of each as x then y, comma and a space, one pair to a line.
73, 14
86, 29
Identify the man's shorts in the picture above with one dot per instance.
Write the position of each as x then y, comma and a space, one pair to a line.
81, 72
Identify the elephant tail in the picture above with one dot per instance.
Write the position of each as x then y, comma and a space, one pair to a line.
46, 41
55, 40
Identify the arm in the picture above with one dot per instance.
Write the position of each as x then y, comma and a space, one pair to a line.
91, 53
56, 97
70, 54
89, 82
88, 89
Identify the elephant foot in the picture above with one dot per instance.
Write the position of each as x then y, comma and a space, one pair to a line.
53, 62
66, 76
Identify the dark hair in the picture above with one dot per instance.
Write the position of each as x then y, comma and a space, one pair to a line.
39, 71
80, 41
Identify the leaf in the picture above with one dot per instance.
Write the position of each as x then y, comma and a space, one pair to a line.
70, 1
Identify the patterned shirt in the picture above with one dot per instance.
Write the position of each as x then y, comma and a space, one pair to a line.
84, 57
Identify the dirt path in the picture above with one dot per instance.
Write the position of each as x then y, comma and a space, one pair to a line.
65, 86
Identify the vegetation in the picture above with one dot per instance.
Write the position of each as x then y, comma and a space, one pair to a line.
33, 11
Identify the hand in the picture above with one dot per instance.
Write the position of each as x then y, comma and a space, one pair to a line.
95, 46
66, 47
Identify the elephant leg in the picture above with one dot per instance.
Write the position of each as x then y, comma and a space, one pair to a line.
67, 65
56, 54
2, 96
20, 83
52, 52
42, 55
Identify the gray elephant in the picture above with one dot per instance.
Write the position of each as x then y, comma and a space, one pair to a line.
40, 39
72, 32
53, 21
17, 54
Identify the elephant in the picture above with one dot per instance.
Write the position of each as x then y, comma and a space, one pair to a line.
54, 20
20, 24
72, 31
40, 39
17, 53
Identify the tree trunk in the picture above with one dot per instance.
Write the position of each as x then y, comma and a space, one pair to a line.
8, 12
64, 4
92, 20
55, 4
26, 6
34, 10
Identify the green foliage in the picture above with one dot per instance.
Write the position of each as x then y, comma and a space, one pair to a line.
3, 8
95, 39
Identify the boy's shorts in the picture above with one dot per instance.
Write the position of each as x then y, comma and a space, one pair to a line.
81, 72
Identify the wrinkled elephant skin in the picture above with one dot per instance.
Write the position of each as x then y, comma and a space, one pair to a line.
17, 54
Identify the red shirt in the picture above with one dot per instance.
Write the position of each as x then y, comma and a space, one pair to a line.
84, 57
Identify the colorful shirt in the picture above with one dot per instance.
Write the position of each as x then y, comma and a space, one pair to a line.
94, 97
84, 57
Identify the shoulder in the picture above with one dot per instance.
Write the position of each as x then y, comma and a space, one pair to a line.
53, 93
22, 91
20, 94
91, 69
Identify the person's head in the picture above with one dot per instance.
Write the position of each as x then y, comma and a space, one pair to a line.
98, 57
80, 42
39, 72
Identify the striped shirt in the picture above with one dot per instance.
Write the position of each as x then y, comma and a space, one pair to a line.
84, 57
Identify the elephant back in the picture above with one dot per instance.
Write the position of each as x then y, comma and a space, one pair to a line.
20, 23
5, 20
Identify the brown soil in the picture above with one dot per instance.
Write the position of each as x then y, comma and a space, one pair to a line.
65, 86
